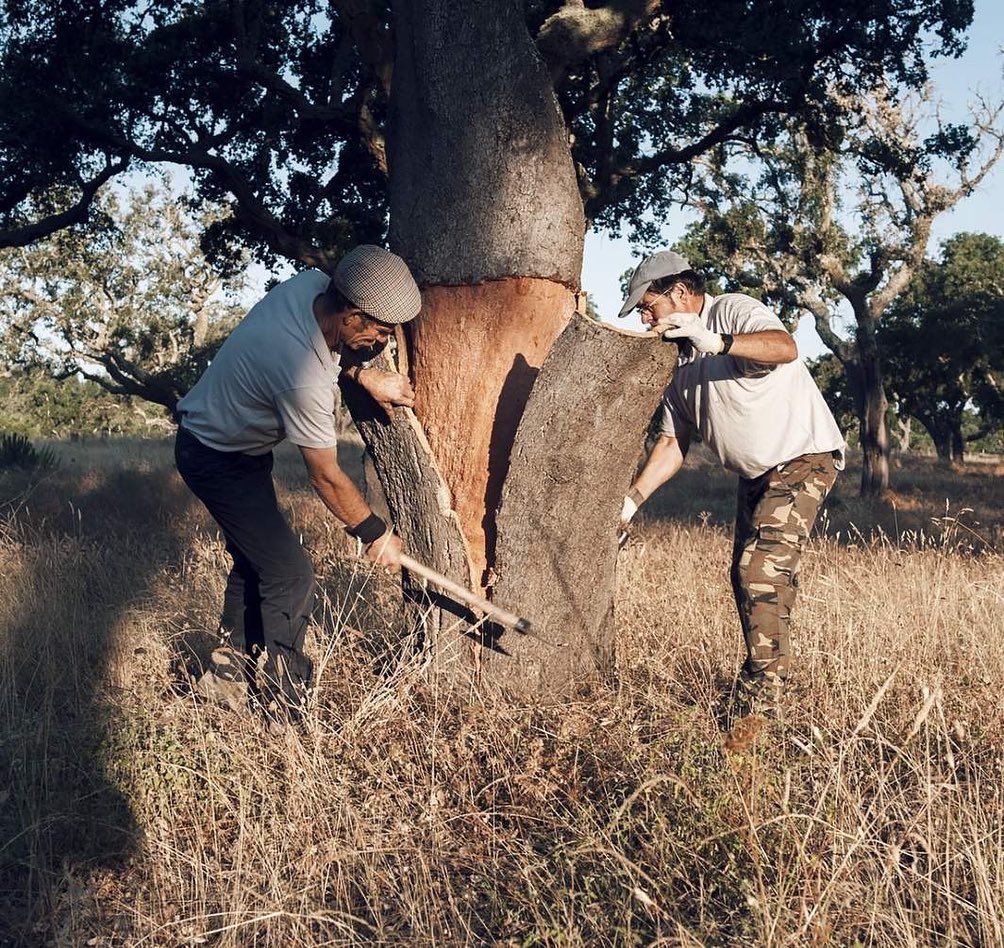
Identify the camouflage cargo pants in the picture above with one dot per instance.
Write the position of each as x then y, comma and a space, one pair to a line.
774, 516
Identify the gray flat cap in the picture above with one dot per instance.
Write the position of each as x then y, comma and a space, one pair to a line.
379, 283
665, 263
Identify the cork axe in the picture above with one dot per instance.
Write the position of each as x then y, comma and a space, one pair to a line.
469, 598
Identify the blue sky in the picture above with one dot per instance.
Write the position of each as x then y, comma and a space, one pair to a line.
954, 82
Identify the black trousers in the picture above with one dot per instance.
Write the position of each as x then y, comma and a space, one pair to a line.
270, 590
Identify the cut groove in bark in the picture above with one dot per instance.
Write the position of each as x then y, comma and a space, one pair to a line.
474, 354
574, 455
419, 502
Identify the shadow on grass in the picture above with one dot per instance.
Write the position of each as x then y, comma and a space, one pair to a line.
75, 562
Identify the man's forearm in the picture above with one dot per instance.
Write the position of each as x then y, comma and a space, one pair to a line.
341, 496
769, 346
664, 461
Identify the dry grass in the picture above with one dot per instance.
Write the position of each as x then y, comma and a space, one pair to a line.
131, 816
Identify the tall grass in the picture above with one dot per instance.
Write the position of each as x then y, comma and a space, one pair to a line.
409, 813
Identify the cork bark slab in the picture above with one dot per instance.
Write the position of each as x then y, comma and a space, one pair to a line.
420, 506
574, 455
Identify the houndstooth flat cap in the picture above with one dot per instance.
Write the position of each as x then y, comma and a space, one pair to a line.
379, 283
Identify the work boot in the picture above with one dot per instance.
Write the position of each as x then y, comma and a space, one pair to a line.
751, 708
224, 683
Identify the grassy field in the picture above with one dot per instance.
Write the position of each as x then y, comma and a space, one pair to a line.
130, 815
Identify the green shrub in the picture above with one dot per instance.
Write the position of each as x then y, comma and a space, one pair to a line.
16, 451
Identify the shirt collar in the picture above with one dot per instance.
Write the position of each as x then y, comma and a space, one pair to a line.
330, 360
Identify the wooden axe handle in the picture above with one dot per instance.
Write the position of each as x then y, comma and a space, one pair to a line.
464, 595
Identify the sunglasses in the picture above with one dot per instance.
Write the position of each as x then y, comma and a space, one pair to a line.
646, 308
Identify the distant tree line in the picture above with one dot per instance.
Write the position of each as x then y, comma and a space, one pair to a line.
38, 405
107, 324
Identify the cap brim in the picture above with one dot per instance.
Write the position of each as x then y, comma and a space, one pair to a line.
633, 299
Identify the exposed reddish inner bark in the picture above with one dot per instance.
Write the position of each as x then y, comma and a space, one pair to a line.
475, 351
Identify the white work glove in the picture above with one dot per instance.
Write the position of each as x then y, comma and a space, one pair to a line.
690, 326
632, 502
629, 509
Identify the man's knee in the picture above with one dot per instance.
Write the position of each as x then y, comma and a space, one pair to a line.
769, 561
302, 577
293, 580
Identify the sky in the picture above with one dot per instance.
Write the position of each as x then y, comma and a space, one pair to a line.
954, 81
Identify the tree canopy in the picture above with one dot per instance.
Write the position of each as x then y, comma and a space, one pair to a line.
944, 339
127, 301
281, 108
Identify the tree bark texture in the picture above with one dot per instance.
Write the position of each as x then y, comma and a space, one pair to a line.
420, 506
868, 389
482, 185
575, 453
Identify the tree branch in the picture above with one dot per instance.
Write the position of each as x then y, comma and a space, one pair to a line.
845, 351
619, 176
77, 214
576, 31
373, 40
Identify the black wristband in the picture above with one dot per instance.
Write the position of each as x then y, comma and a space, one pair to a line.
369, 531
727, 340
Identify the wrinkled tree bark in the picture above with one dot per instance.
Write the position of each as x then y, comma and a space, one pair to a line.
864, 373
485, 208
575, 452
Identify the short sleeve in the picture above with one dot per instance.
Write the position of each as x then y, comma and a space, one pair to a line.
673, 424
308, 415
750, 315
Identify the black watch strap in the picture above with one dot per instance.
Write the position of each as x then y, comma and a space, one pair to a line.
727, 340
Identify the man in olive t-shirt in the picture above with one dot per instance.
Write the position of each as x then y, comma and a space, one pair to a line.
274, 378
740, 385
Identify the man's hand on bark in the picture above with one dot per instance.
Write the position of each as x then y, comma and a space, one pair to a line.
691, 327
387, 388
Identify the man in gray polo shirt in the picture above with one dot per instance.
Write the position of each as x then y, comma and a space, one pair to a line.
275, 378
740, 385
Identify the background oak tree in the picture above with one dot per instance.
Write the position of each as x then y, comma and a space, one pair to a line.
128, 302
815, 221
944, 344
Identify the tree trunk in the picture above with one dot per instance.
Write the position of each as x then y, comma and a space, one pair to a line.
958, 442
903, 433
872, 405
940, 435
486, 210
